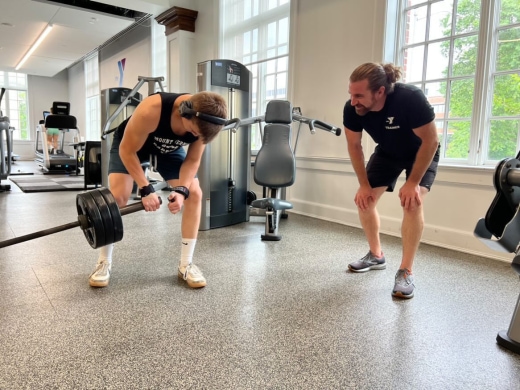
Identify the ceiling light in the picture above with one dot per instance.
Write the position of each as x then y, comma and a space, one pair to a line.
35, 45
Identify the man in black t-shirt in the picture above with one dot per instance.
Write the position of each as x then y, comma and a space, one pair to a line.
401, 121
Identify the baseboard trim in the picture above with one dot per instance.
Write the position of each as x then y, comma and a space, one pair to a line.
439, 236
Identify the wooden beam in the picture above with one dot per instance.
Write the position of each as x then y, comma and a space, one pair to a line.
177, 18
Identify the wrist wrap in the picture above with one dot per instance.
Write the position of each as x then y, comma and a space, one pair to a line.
146, 190
182, 190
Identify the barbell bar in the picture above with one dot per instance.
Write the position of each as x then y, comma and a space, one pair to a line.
99, 218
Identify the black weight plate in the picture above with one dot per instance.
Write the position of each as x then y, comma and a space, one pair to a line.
95, 233
250, 197
106, 215
117, 220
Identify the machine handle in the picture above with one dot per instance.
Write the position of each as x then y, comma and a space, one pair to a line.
105, 133
232, 124
325, 126
319, 124
311, 127
235, 123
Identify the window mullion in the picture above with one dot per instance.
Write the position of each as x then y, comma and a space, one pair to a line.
482, 98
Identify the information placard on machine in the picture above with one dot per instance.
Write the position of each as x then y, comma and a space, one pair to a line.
228, 74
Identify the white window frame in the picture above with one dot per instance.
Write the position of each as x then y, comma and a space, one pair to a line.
484, 76
92, 98
14, 83
261, 58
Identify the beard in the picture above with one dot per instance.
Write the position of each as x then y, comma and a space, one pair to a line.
361, 110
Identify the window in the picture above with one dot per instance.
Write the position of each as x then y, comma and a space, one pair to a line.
465, 55
256, 34
14, 103
504, 112
93, 104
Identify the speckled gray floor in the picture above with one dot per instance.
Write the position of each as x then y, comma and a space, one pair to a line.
275, 315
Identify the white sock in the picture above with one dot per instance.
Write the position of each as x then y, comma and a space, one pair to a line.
187, 249
106, 253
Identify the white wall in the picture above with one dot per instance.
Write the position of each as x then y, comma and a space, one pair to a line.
206, 30
135, 47
332, 38
77, 92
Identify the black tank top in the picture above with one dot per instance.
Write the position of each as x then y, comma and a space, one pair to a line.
162, 140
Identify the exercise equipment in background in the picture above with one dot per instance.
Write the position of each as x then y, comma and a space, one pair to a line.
92, 163
500, 231
5, 147
99, 218
275, 165
59, 161
224, 171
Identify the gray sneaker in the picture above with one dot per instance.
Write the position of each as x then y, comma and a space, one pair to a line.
404, 286
368, 262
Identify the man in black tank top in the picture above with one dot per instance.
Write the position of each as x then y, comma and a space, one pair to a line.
161, 125
401, 121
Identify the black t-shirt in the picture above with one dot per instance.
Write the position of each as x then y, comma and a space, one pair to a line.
392, 128
163, 140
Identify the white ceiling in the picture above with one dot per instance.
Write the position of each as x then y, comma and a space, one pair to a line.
76, 32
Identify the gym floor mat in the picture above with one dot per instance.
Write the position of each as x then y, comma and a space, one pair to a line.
46, 183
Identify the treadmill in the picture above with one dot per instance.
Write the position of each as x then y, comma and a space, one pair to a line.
60, 162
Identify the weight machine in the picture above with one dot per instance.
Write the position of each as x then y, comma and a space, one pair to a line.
500, 231
275, 165
224, 169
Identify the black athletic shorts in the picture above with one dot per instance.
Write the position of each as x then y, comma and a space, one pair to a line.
168, 165
384, 171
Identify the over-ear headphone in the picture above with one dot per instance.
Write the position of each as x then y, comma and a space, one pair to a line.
187, 111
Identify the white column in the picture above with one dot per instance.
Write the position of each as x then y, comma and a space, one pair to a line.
182, 69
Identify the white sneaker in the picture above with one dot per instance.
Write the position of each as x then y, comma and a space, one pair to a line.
192, 275
101, 275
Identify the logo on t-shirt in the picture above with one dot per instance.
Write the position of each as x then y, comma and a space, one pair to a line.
167, 145
390, 122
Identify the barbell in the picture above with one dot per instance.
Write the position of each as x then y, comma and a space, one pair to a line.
99, 218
